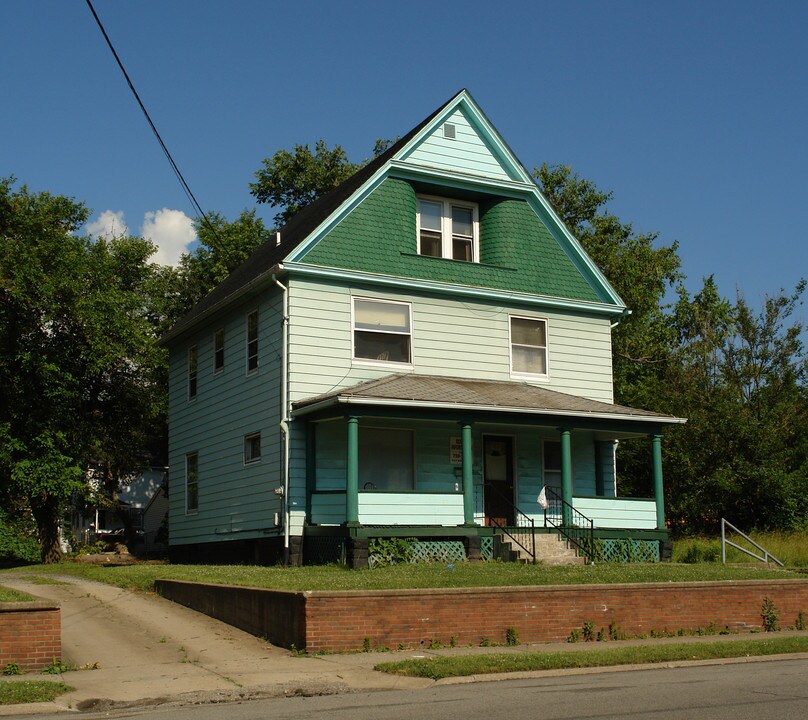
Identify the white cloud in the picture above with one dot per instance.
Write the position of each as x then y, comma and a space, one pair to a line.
109, 224
172, 231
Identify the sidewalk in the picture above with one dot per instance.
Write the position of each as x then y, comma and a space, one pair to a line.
150, 651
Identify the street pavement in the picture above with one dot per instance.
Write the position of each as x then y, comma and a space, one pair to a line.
135, 649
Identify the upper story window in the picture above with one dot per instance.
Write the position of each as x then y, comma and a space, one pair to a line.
193, 371
529, 346
448, 229
382, 331
218, 350
252, 341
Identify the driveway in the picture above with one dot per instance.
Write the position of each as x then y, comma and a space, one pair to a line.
148, 650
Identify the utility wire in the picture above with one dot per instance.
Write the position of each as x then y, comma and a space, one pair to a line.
189, 194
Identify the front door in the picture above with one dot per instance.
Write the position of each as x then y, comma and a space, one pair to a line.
498, 480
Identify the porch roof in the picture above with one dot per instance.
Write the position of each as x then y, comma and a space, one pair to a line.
451, 393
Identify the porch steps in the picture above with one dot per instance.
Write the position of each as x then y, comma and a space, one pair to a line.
551, 549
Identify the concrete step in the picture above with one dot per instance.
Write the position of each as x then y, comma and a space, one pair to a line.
550, 549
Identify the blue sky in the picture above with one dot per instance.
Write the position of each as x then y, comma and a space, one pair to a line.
693, 113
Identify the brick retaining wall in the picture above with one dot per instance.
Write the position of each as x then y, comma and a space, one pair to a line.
389, 618
30, 634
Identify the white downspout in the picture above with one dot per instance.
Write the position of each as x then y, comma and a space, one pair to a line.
285, 419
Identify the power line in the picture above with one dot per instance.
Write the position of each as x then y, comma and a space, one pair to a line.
189, 194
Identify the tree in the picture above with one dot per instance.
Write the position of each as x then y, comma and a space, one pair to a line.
741, 377
292, 180
223, 246
80, 371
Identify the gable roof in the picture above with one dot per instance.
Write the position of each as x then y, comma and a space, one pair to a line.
257, 268
441, 392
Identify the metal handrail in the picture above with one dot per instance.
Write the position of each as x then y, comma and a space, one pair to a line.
528, 527
576, 527
724, 542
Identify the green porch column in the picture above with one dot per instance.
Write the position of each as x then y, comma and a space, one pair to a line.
566, 474
659, 492
352, 474
468, 476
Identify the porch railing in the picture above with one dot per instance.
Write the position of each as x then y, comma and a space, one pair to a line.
573, 525
523, 533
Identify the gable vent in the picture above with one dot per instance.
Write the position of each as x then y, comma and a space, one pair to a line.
449, 131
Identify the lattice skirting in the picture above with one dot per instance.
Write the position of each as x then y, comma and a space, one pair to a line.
443, 551
626, 550
323, 550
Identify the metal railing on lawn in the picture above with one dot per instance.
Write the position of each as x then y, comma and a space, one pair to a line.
576, 527
724, 542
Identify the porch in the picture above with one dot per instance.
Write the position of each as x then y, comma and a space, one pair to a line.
465, 461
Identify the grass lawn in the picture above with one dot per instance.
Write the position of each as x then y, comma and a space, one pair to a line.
17, 692
455, 666
9, 595
422, 575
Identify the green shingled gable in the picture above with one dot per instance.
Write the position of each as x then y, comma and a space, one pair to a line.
517, 252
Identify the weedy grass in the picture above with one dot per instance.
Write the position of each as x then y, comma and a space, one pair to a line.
9, 595
462, 665
409, 575
791, 548
18, 692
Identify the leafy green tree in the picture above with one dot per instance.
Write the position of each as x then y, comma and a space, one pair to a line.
740, 377
292, 180
223, 246
82, 378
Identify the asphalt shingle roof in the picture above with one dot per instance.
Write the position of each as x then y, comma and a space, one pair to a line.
437, 391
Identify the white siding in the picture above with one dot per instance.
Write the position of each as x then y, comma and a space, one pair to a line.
467, 152
468, 339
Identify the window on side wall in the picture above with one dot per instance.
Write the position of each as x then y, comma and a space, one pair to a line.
552, 465
252, 448
252, 341
191, 482
528, 346
218, 351
448, 229
193, 371
386, 459
382, 331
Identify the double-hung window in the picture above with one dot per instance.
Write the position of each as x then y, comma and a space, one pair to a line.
193, 371
252, 341
218, 350
448, 229
528, 346
191, 482
252, 448
382, 331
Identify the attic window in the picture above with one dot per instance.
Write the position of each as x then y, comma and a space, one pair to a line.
449, 131
448, 229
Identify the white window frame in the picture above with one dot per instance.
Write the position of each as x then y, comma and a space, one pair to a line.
521, 373
188, 509
247, 355
376, 361
193, 372
446, 226
249, 458
216, 335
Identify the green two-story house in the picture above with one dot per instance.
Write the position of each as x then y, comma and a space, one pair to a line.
424, 352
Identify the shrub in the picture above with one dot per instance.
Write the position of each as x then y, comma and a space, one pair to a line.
18, 546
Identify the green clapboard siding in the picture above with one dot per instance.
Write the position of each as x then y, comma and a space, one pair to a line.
410, 509
518, 253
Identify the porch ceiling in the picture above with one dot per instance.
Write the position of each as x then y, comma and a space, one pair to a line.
450, 393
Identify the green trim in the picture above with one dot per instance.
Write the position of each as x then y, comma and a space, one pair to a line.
468, 474
659, 491
566, 474
352, 473
417, 531
455, 289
